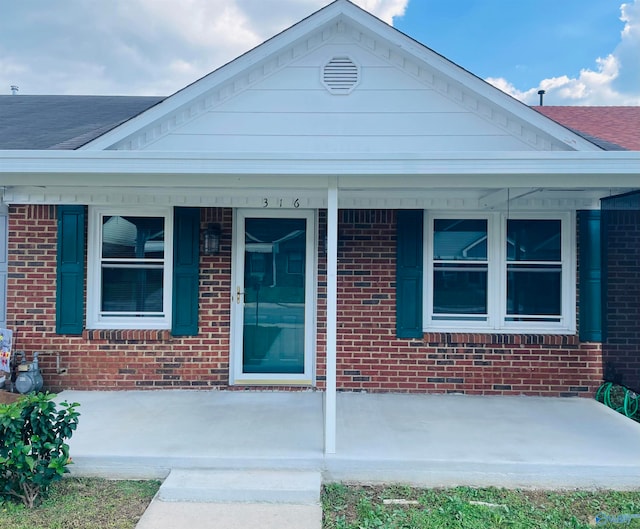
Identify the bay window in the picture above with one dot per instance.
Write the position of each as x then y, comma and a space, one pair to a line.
493, 272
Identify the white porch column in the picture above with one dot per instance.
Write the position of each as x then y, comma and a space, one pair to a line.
332, 317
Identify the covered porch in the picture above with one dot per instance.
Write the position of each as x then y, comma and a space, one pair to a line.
428, 440
461, 183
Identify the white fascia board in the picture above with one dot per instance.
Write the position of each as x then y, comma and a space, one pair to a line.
135, 168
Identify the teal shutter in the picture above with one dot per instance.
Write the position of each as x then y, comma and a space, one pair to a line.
186, 269
70, 271
409, 274
590, 267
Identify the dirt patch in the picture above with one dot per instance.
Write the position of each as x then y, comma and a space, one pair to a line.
8, 398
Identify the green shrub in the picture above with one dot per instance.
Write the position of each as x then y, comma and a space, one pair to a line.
33, 452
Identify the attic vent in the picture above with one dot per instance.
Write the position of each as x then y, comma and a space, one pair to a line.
340, 75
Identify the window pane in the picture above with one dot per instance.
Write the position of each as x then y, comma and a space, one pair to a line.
132, 237
533, 240
459, 289
126, 289
456, 239
534, 289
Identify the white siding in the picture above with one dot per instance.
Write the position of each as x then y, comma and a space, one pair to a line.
390, 110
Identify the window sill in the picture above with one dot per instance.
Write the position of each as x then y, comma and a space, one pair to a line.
126, 335
501, 337
506, 330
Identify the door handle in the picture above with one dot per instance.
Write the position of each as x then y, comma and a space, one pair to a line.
238, 294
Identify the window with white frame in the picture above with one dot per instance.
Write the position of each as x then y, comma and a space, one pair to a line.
129, 268
489, 271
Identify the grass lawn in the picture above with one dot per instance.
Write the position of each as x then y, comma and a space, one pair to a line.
406, 508
83, 504
99, 504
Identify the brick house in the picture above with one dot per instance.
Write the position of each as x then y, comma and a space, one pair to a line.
339, 208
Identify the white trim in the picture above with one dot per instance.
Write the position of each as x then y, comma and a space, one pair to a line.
494, 170
456, 199
94, 238
497, 273
330, 407
236, 376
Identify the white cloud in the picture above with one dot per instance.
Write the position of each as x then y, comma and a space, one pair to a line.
384, 9
150, 47
614, 81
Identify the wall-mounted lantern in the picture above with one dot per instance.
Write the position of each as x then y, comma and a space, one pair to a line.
211, 240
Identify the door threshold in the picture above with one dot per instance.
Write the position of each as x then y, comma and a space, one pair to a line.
272, 382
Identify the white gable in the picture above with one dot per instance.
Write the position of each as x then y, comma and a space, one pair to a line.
400, 97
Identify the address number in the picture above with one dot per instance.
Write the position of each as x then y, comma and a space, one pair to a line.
281, 203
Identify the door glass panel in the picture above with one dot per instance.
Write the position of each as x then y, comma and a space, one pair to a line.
274, 294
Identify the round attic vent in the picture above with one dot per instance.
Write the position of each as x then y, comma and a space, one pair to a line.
340, 75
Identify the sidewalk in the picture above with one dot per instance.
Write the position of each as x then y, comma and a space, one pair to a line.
178, 515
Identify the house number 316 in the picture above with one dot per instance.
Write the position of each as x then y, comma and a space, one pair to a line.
280, 203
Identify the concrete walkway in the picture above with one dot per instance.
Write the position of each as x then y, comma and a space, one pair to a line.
426, 440
243, 499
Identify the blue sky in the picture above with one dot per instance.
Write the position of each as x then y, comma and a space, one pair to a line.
522, 40
580, 51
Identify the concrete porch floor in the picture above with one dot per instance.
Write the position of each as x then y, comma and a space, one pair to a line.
428, 440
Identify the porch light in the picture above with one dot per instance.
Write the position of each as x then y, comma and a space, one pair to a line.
211, 240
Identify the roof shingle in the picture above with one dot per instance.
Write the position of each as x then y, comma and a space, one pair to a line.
618, 125
63, 122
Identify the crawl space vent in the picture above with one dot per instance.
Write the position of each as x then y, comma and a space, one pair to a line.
340, 75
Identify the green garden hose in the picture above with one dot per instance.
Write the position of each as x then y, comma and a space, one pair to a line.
619, 398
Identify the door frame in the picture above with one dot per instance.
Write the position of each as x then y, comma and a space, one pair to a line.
236, 376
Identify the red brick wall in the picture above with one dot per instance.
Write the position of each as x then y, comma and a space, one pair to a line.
622, 345
113, 359
369, 355
371, 358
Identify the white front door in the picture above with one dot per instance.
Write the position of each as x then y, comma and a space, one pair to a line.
273, 297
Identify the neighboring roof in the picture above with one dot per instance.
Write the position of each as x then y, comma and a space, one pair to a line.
63, 122
619, 127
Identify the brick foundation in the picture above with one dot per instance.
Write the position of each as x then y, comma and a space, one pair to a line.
370, 357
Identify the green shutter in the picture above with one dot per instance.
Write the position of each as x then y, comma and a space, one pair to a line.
590, 267
70, 271
186, 269
409, 274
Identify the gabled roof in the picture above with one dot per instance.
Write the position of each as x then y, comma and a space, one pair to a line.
63, 122
131, 123
618, 126
339, 22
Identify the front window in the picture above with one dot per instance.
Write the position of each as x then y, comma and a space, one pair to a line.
534, 270
460, 269
487, 272
128, 269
